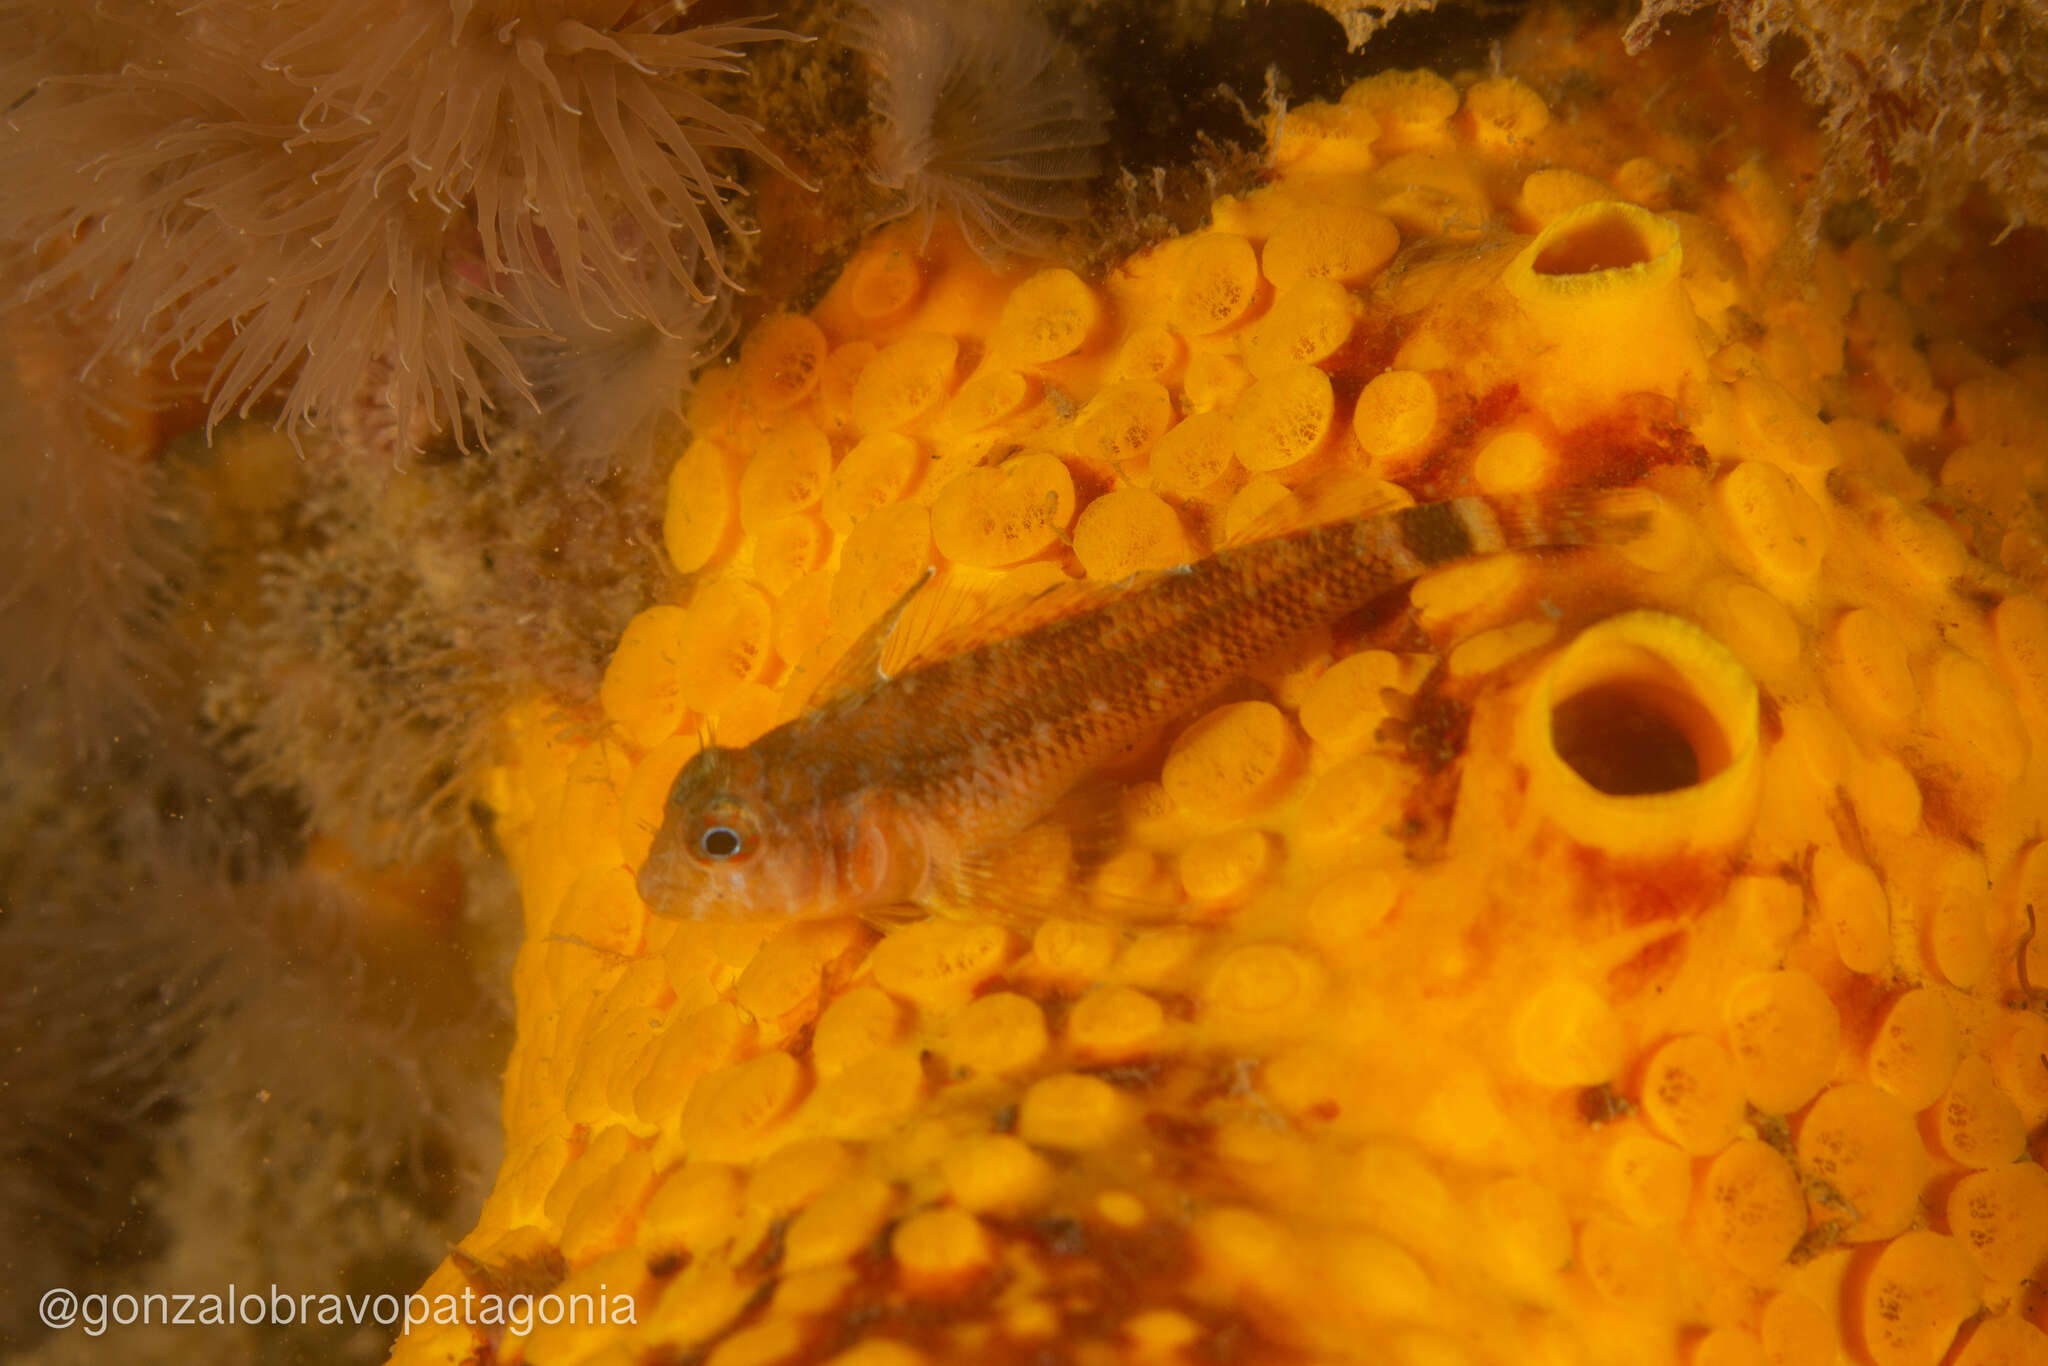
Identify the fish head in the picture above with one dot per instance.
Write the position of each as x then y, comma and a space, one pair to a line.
741, 836
722, 848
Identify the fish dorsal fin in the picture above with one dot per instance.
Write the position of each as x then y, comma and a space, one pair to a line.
960, 616
941, 622
860, 668
937, 616
1338, 495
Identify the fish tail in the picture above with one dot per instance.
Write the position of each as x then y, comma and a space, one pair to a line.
1442, 532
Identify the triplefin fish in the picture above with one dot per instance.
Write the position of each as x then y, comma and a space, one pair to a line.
886, 790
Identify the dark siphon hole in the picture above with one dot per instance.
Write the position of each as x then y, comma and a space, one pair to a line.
1631, 739
1605, 242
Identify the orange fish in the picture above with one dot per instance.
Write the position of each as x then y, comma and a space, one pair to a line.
889, 791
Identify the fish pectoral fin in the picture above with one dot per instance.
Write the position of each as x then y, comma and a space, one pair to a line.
889, 919
1074, 862
1028, 877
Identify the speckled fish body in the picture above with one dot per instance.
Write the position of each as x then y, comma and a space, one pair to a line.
880, 794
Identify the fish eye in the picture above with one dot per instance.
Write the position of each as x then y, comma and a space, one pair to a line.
721, 843
721, 828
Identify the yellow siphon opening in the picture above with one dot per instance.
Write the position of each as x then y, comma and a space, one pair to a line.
1633, 737
1596, 241
1641, 737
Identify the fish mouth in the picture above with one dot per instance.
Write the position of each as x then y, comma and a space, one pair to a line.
676, 886
672, 885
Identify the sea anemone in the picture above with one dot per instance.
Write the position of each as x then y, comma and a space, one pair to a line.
88, 552
986, 117
208, 225
603, 378
274, 202
571, 128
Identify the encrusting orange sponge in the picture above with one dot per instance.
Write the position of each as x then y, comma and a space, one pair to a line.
1617, 955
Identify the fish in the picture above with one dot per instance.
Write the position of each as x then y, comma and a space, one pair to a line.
895, 789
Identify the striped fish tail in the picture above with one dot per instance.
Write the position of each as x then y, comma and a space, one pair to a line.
1564, 517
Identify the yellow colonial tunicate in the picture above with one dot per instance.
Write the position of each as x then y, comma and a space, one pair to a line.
997, 1174
1615, 954
1549, 194
941, 963
1395, 419
1686, 770
940, 1247
1917, 1047
2019, 1057
905, 382
730, 627
1228, 868
1218, 285
1978, 1125
1305, 326
1601, 290
1771, 526
1235, 758
1123, 423
1691, 1094
702, 488
787, 549
1648, 1179
1191, 457
988, 398
1002, 1032
1349, 701
884, 283
1114, 1024
879, 561
1918, 1293
1154, 351
1505, 114
1866, 1160
1566, 1034
1072, 1111
780, 362
1344, 243
1410, 106
1001, 515
1127, 531
876, 472
642, 692
2001, 1218
1514, 462
786, 474
1754, 1210
1282, 419
1783, 1028
1048, 316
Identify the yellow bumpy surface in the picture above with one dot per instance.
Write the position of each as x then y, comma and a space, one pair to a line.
1608, 956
